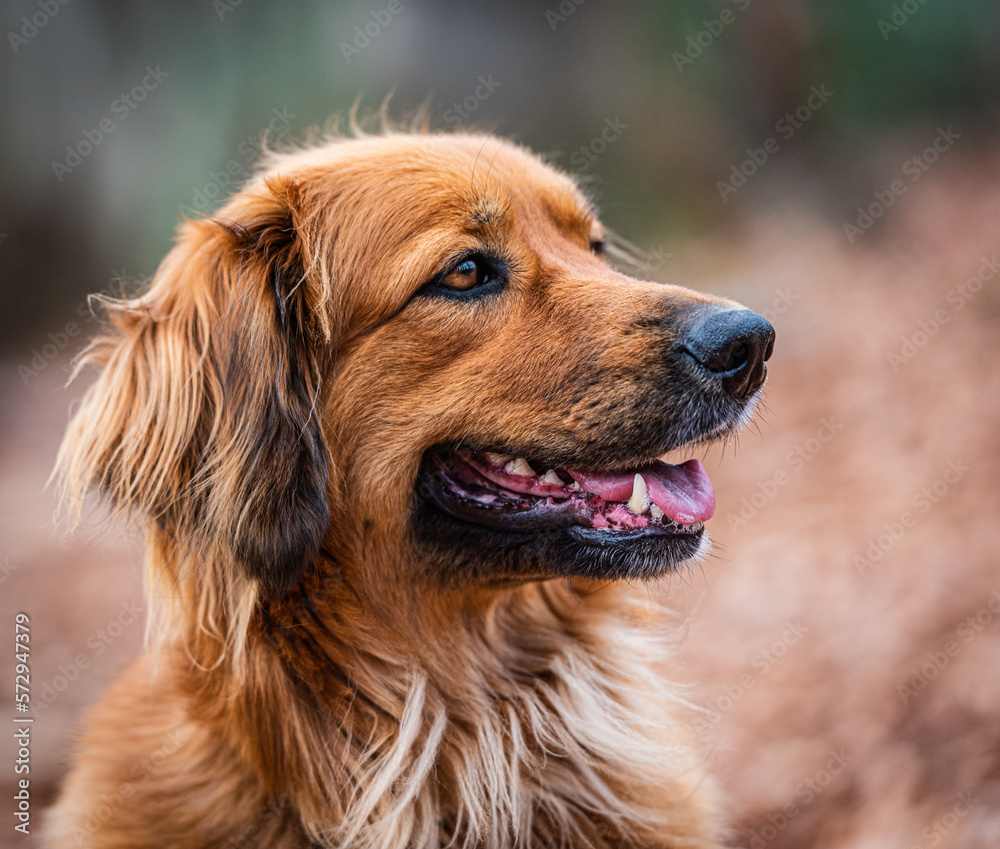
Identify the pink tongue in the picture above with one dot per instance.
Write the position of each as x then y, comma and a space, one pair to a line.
683, 492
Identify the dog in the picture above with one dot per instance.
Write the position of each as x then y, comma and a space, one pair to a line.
391, 423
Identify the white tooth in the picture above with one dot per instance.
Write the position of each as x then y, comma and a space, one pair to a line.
655, 512
519, 466
575, 487
497, 459
639, 502
551, 477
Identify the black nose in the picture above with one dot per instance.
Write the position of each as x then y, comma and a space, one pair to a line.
731, 346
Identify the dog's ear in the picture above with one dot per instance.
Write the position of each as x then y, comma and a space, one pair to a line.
206, 415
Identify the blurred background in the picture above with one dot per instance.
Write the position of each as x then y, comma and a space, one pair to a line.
834, 166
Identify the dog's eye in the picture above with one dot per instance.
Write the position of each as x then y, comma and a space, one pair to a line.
470, 277
468, 274
597, 240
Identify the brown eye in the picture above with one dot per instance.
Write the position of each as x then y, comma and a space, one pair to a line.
468, 274
597, 239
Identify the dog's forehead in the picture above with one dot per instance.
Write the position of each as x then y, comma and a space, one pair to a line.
477, 180
501, 167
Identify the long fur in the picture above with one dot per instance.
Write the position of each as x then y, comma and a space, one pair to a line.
306, 685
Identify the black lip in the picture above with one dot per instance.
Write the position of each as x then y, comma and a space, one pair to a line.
458, 552
592, 536
530, 514
461, 543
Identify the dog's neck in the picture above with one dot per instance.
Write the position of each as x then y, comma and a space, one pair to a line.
537, 718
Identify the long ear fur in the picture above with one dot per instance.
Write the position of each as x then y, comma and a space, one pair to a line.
206, 414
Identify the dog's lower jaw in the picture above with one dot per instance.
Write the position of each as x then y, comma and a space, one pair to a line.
458, 553
539, 721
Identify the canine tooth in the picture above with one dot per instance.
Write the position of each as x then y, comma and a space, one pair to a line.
639, 502
551, 477
519, 466
497, 459
655, 512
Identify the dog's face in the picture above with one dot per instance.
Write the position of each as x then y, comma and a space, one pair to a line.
414, 354
506, 385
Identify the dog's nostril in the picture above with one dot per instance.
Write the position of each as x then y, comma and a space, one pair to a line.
737, 357
732, 344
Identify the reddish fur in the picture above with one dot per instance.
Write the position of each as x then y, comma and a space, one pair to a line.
270, 718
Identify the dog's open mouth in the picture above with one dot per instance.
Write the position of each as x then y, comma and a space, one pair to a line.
506, 493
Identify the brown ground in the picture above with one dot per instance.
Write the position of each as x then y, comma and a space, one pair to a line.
847, 634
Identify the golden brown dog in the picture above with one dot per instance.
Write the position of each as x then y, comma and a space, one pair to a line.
392, 424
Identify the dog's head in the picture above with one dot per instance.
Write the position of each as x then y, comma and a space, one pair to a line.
408, 351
